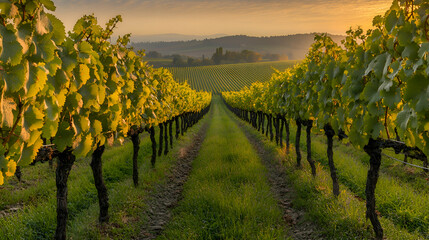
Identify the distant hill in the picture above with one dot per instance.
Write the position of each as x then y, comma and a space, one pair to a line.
293, 46
170, 37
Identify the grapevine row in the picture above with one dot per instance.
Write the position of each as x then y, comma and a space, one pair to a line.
373, 89
227, 77
78, 92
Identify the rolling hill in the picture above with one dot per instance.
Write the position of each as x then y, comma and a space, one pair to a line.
293, 46
227, 77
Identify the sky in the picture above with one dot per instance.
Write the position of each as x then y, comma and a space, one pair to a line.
230, 17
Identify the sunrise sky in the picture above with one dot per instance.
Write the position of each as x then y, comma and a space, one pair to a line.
206, 17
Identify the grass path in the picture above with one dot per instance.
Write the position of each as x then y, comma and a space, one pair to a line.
36, 202
342, 217
398, 199
227, 195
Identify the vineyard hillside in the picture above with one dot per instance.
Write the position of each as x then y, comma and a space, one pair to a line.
228, 77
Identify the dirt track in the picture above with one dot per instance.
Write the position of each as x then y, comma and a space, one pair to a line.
166, 195
276, 175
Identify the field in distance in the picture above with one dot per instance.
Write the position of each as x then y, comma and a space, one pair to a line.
228, 77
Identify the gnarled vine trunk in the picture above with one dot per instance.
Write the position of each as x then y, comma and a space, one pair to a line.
282, 124
297, 141
276, 128
330, 133
152, 139
18, 173
271, 127
268, 125
263, 123
166, 138
287, 135
161, 138
170, 128
374, 151
309, 125
177, 127
97, 172
136, 147
65, 162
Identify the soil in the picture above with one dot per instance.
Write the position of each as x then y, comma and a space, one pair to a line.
298, 226
10, 210
166, 195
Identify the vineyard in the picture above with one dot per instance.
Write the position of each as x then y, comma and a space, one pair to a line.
70, 96
374, 92
227, 77
98, 144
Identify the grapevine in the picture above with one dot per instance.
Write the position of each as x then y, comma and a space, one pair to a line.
370, 89
76, 93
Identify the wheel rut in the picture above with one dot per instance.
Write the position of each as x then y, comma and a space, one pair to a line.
283, 192
167, 194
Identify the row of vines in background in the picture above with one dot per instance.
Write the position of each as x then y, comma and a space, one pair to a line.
77, 93
373, 89
227, 77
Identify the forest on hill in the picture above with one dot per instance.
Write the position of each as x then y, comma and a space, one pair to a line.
294, 47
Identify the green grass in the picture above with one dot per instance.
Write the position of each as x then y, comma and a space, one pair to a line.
159, 62
228, 77
397, 197
339, 218
226, 196
37, 218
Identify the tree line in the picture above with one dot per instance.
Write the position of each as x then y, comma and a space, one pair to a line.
219, 57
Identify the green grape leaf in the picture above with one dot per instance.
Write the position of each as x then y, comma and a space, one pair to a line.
84, 123
379, 65
25, 35
391, 21
45, 47
411, 51
82, 74
52, 108
59, 33
59, 81
373, 126
395, 5
74, 100
34, 136
54, 65
84, 146
64, 137
29, 153
11, 49
69, 62
5, 7
415, 86
403, 117
357, 139
31, 6
48, 4
85, 50
424, 49
32, 119
36, 81
391, 97
371, 93
405, 36
96, 127
43, 25
16, 77
8, 106
423, 101
49, 129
